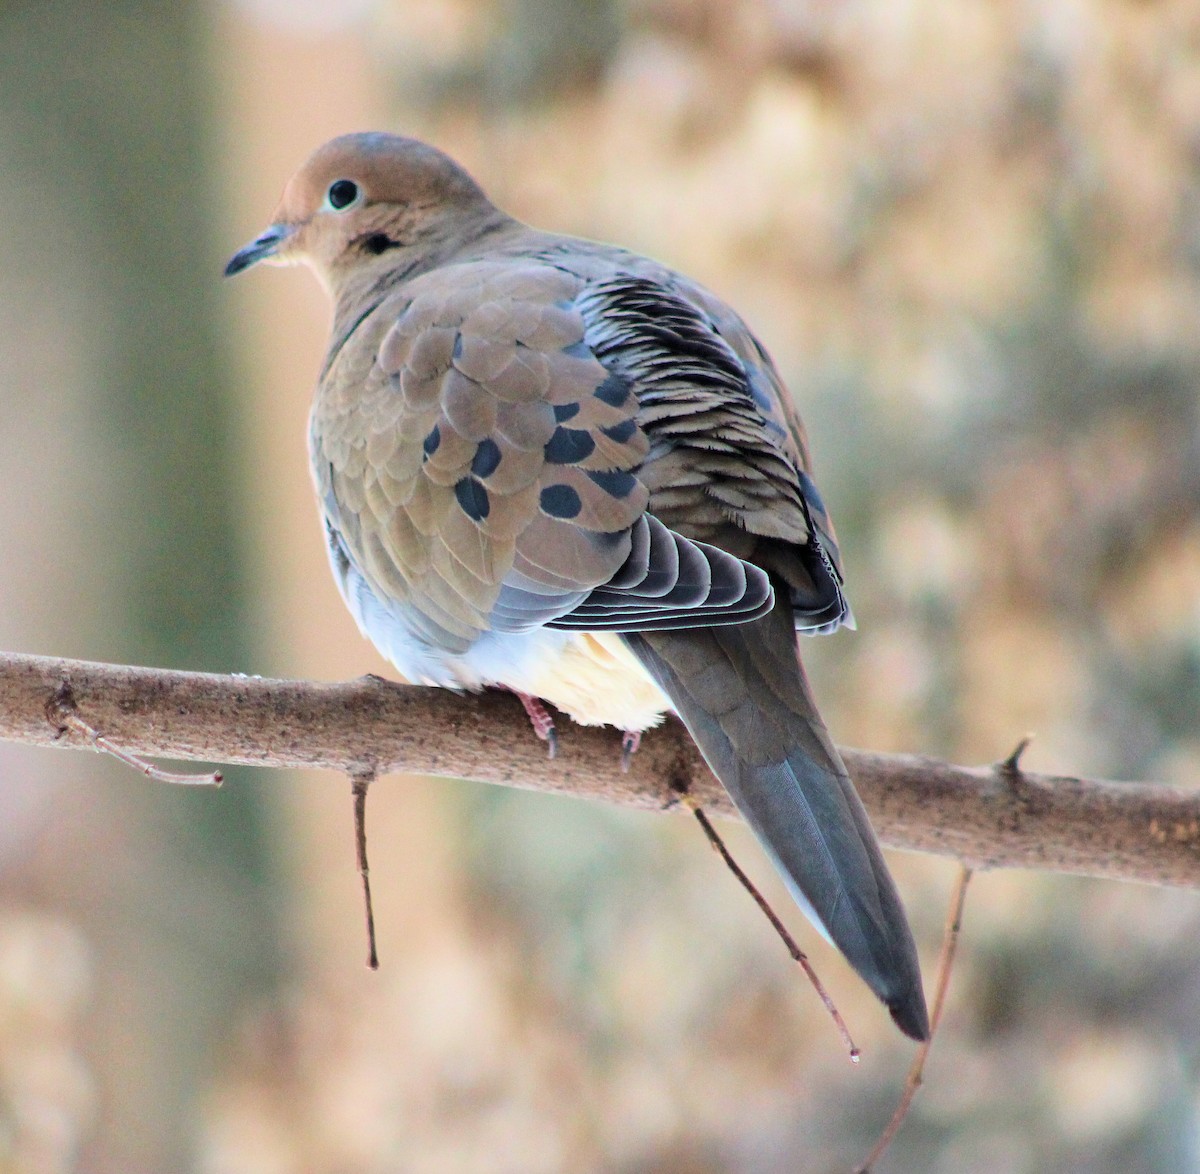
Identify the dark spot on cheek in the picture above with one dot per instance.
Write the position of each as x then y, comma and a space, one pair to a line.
375, 243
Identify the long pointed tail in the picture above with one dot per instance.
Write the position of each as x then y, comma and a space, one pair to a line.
742, 693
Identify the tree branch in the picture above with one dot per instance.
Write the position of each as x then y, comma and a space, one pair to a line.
989, 817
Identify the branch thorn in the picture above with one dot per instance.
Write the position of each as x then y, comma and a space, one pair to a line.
1012, 764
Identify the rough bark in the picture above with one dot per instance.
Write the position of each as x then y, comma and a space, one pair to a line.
989, 817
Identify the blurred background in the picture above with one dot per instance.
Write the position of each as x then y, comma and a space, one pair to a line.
969, 234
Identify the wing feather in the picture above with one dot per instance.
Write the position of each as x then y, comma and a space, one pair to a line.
497, 461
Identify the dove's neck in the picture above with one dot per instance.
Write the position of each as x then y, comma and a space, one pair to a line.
357, 288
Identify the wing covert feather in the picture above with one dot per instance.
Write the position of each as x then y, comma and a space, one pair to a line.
477, 453
494, 469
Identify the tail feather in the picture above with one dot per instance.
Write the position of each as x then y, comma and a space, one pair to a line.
743, 695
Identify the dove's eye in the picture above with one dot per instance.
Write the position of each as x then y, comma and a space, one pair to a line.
342, 193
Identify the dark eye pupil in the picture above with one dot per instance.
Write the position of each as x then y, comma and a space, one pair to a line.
342, 193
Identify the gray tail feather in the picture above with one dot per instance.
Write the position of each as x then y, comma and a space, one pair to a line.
744, 697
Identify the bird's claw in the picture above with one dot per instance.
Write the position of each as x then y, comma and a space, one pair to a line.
542, 722
630, 741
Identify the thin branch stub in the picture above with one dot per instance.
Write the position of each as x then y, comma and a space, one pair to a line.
360, 780
798, 955
63, 714
916, 1071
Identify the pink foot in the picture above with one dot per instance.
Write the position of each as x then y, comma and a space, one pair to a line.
540, 719
630, 742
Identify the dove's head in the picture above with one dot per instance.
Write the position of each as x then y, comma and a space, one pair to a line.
365, 201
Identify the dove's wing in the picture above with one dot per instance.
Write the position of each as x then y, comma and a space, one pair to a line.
476, 463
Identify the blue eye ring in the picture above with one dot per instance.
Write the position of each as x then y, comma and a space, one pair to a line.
342, 194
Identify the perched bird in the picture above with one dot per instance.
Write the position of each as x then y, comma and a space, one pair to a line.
560, 468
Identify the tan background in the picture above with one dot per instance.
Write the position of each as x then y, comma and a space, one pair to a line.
970, 235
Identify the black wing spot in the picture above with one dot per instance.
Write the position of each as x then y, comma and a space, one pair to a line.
473, 498
560, 501
565, 412
614, 391
569, 446
616, 485
487, 458
578, 350
432, 442
620, 432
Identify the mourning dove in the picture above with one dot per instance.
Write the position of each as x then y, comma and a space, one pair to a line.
557, 467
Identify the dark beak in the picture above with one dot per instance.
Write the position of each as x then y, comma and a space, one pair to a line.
266, 244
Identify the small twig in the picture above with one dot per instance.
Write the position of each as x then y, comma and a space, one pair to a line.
63, 715
797, 954
917, 1069
360, 780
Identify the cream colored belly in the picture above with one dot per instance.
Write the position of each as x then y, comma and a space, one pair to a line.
591, 676
596, 681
